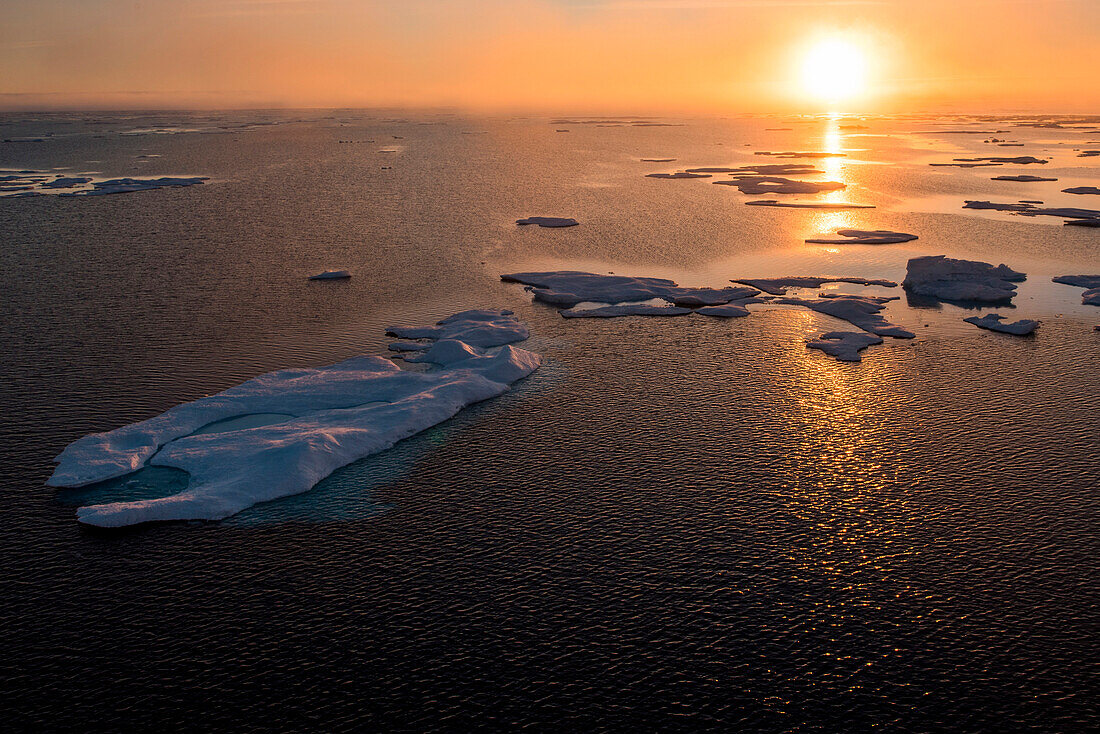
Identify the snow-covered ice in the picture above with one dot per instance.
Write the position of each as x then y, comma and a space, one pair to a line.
864, 237
340, 413
996, 322
779, 286
844, 345
478, 328
861, 311
960, 280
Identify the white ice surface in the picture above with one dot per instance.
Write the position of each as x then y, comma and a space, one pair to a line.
733, 309
479, 328
844, 345
341, 413
996, 322
960, 280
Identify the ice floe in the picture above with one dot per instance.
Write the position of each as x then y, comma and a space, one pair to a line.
658, 160
1091, 284
757, 185
1031, 210
549, 221
733, 309
800, 154
679, 174
861, 311
825, 206
996, 322
1025, 178
331, 275
33, 183
779, 286
626, 309
1022, 160
864, 237
948, 279
339, 414
479, 328
567, 288
844, 345
1082, 190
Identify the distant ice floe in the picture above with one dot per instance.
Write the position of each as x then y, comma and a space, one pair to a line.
779, 286
824, 206
1080, 217
948, 279
679, 174
1024, 178
658, 160
1091, 284
331, 275
801, 154
764, 169
567, 288
338, 414
844, 345
757, 185
549, 221
1088, 154
1082, 190
1022, 160
964, 165
36, 183
864, 237
996, 322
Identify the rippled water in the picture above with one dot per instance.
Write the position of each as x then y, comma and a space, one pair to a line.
675, 524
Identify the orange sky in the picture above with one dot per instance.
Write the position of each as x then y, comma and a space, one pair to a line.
691, 56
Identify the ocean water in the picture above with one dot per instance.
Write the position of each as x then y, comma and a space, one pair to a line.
675, 524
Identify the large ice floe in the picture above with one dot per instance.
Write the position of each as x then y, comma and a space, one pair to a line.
996, 322
864, 237
948, 279
1091, 284
844, 345
567, 288
336, 415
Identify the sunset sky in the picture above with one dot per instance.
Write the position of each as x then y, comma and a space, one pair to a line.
705, 56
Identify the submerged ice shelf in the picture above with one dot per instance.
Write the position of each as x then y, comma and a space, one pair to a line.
339, 413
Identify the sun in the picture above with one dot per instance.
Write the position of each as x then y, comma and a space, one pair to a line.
834, 71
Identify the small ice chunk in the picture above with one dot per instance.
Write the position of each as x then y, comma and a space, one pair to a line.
825, 206
680, 174
960, 280
733, 309
1082, 190
549, 221
844, 345
994, 322
331, 275
64, 183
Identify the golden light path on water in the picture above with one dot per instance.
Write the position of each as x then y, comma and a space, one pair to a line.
828, 222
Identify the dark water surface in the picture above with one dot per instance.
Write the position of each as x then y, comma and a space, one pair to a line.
674, 524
